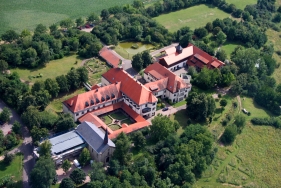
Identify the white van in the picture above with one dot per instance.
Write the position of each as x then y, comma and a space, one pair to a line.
76, 163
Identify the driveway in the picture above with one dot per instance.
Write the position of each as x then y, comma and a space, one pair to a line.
26, 148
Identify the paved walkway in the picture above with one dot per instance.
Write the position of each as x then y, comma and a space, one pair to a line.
26, 148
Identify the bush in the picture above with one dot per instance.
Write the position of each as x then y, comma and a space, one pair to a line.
229, 135
135, 46
235, 104
273, 121
8, 158
219, 95
225, 122
278, 52
228, 117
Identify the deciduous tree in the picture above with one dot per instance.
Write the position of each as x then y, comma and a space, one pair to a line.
5, 114
45, 149
52, 87
161, 127
121, 153
84, 157
67, 183
98, 172
77, 176
66, 165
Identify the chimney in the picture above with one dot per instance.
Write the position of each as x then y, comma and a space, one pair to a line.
105, 140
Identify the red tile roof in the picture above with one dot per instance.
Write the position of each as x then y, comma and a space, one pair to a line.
191, 52
157, 85
174, 81
95, 87
93, 97
129, 86
109, 56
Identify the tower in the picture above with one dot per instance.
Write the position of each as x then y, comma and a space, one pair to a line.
105, 140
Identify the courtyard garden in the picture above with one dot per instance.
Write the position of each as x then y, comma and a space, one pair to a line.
115, 119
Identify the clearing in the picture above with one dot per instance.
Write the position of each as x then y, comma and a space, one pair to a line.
193, 17
52, 69
241, 4
26, 14
229, 47
125, 49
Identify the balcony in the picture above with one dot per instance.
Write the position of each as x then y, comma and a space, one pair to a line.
146, 110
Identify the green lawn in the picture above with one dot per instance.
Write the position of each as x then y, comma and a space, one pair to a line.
127, 121
118, 115
14, 169
114, 127
241, 3
56, 103
51, 70
121, 51
18, 15
178, 104
107, 120
193, 17
229, 47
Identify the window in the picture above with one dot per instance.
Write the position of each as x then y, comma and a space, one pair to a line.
146, 105
77, 114
82, 112
154, 104
153, 108
174, 95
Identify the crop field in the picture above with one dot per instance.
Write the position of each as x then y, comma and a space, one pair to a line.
26, 14
193, 17
241, 3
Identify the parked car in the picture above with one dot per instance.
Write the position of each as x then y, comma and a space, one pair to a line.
165, 109
76, 163
87, 26
245, 111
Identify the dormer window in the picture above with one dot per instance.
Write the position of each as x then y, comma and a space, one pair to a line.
97, 100
107, 97
112, 95
92, 102
86, 103
102, 99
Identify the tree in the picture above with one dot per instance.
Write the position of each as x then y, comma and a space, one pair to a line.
104, 14
16, 127
207, 78
93, 18
201, 32
53, 28
67, 183
79, 21
139, 140
98, 172
73, 79
42, 99
216, 30
65, 123
31, 117
43, 173
3, 66
45, 149
52, 87
161, 127
40, 28
37, 86
229, 134
221, 55
147, 59
83, 74
84, 157
77, 176
11, 140
25, 33
220, 37
8, 158
121, 153
240, 122
5, 114
277, 18
114, 167
223, 103
66, 165
137, 62
67, 23
62, 83
185, 40
38, 133
200, 106
209, 26
10, 36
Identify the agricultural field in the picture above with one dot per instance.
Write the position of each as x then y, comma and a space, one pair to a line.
26, 14
51, 70
241, 4
193, 17
274, 37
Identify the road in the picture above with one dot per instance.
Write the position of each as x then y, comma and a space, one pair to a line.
26, 148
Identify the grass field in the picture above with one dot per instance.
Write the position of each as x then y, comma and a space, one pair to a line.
193, 17
241, 3
118, 115
14, 169
229, 48
274, 37
51, 70
26, 14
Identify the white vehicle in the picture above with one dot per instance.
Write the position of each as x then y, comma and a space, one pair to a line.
76, 163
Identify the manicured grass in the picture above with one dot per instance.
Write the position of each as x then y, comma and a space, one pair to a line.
56, 104
178, 104
121, 51
241, 4
107, 120
273, 36
18, 15
229, 47
181, 117
114, 127
127, 121
14, 169
118, 115
51, 70
193, 17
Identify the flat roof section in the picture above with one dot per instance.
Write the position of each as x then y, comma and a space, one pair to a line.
65, 141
